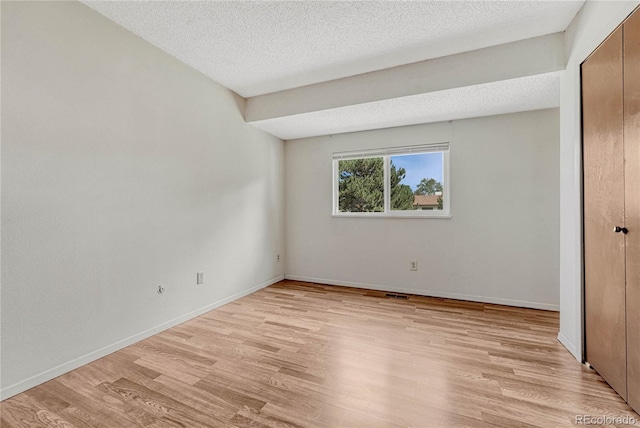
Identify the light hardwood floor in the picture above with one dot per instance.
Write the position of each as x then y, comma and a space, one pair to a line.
298, 354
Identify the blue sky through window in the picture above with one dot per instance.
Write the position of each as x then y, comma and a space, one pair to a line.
426, 165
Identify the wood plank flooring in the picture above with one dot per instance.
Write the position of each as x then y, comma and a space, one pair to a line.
306, 355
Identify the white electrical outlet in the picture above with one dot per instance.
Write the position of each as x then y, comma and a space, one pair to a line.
413, 265
278, 257
200, 278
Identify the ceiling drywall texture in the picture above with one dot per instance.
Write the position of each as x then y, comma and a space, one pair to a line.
262, 47
506, 96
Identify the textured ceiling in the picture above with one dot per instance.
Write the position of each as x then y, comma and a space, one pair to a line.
261, 47
506, 96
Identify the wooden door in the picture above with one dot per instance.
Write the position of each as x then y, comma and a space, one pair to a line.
604, 250
631, 31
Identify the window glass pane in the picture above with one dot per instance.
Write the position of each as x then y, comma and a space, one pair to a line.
417, 182
361, 185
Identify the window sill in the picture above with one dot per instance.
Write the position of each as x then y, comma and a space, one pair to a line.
390, 215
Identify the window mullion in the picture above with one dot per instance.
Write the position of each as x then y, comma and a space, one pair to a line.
387, 185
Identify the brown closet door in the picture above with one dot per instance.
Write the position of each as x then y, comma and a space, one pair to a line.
632, 202
604, 252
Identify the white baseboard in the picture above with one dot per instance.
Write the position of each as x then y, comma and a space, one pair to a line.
47, 375
430, 293
570, 346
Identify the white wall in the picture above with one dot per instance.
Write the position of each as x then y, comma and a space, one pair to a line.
591, 26
122, 169
501, 244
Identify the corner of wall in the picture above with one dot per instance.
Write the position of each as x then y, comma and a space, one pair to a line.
571, 347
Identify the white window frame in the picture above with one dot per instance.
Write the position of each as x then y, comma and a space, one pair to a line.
386, 154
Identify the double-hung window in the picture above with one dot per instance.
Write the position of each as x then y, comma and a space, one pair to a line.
395, 182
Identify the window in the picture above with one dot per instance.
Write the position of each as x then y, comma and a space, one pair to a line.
396, 182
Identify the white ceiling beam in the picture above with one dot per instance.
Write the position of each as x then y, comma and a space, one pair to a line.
514, 60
